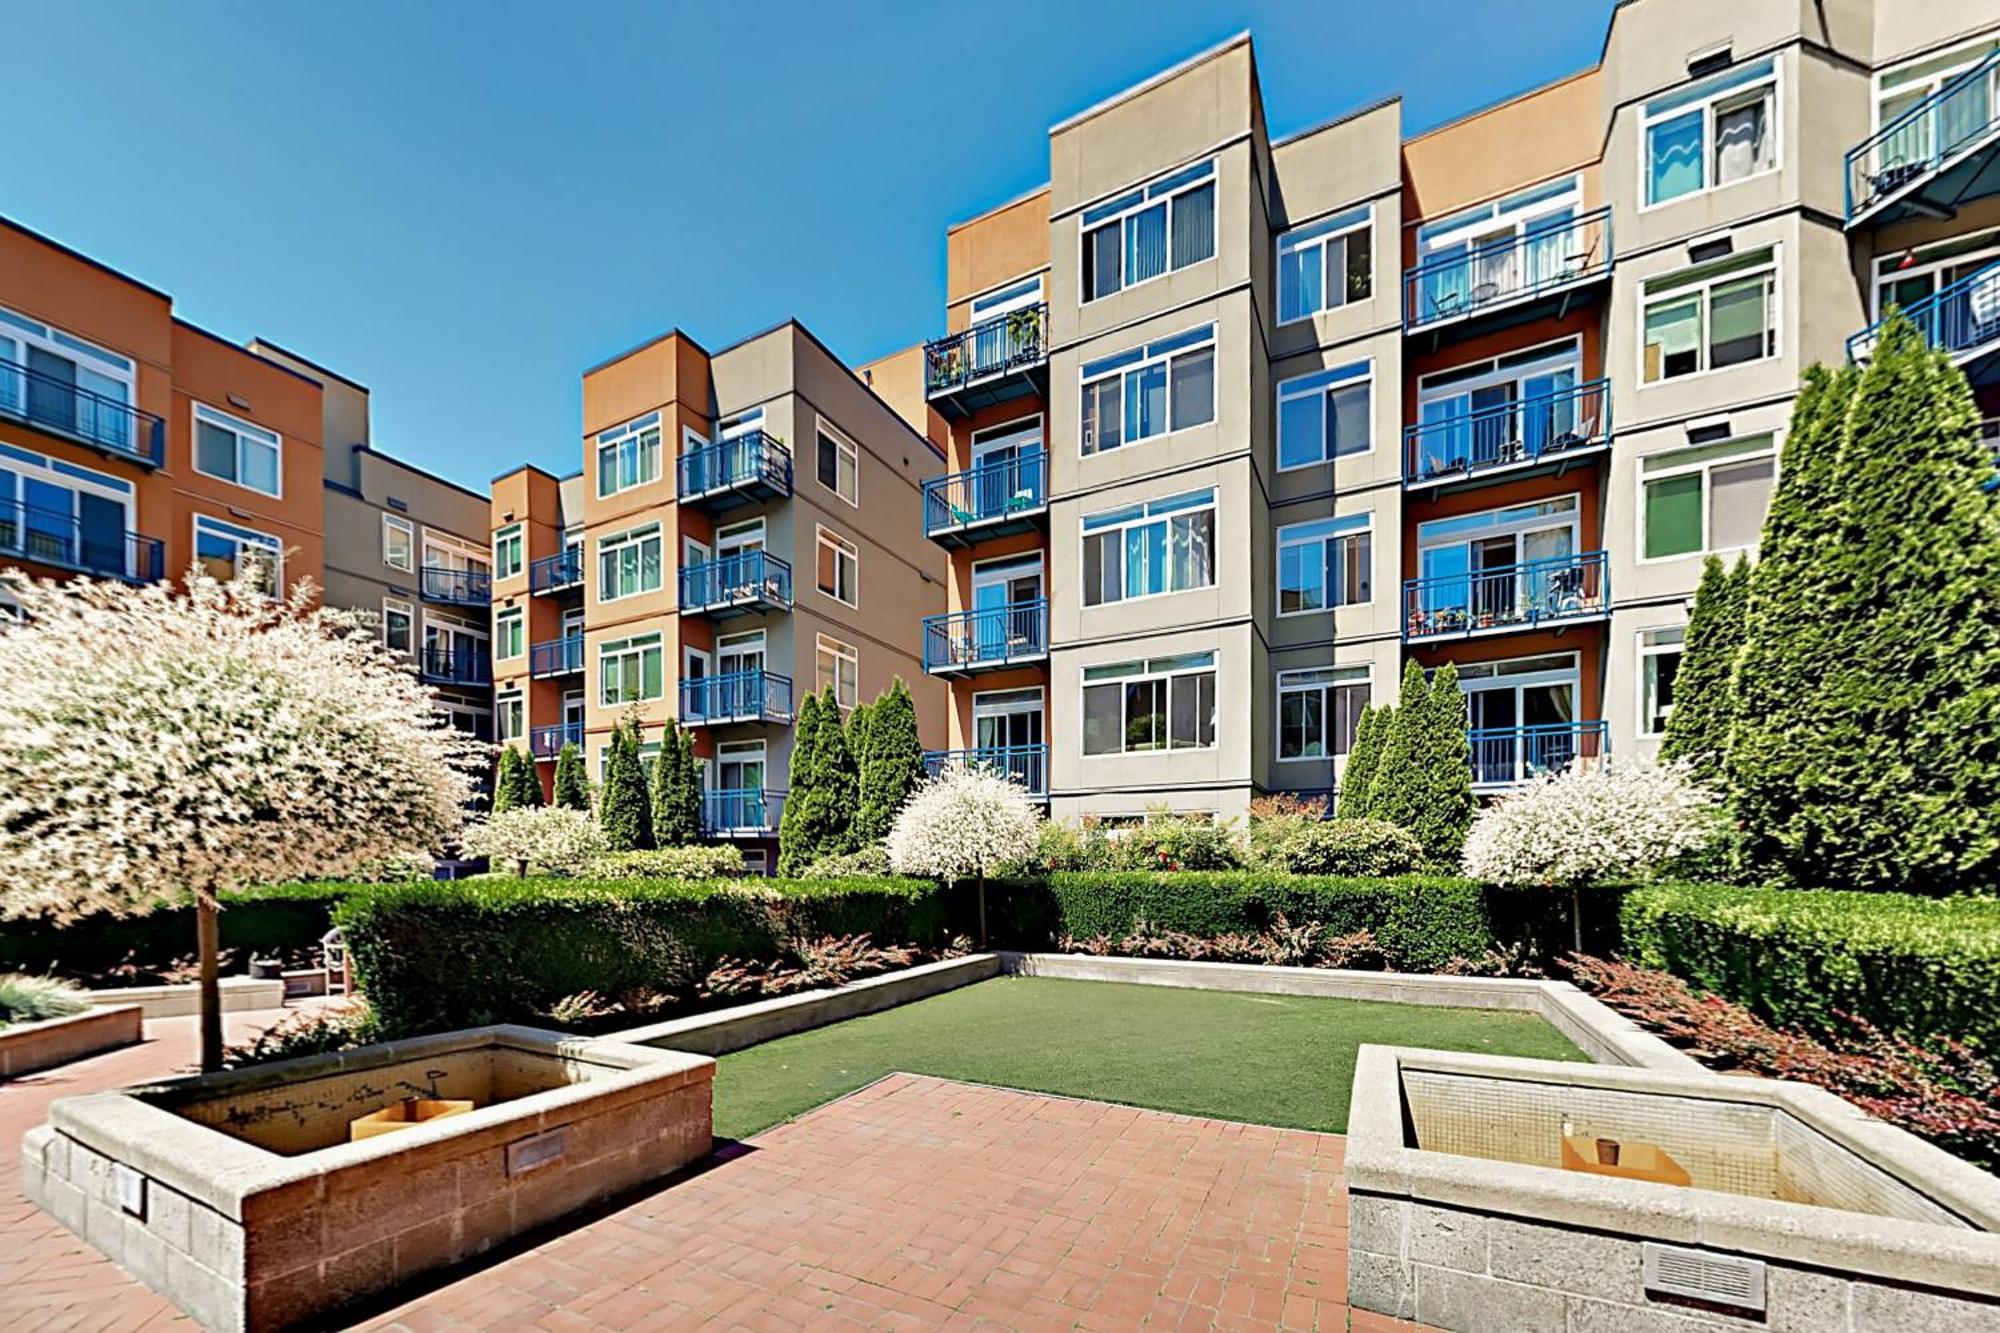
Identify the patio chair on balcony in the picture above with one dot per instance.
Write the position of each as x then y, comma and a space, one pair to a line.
1583, 432
1893, 178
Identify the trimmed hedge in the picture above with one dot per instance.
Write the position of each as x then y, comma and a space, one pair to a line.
1925, 967
286, 916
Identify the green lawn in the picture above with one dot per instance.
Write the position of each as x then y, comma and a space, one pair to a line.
1266, 1059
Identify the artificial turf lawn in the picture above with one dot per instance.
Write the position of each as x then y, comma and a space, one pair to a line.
1266, 1059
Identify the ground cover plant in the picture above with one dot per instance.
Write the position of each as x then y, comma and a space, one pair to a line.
26, 999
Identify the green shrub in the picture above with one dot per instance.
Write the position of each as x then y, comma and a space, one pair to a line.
870, 860
1069, 847
1351, 847
1919, 966
669, 863
1178, 842
263, 921
26, 999
1274, 821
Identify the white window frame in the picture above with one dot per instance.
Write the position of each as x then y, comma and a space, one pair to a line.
1162, 352
515, 702
396, 606
101, 361
1727, 271
614, 439
75, 481
393, 524
246, 433
515, 620
1165, 667
618, 541
832, 650
1647, 652
826, 538
1146, 518
1324, 383
1970, 53
513, 541
1726, 91
1331, 530
1705, 466
236, 532
1171, 186
633, 647
1319, 236
997, 302
845, 450
1887, 273
1362, 674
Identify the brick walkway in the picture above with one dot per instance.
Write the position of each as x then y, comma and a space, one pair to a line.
915, 1203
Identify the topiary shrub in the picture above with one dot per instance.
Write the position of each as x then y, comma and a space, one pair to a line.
1364, 847
722, 862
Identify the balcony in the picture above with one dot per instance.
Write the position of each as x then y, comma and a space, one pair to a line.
737, 585
1027, 765
457, 587
556, 657
113, 428
1942, 152
740, 812
965, 643
1558, 591
1545, 433
994, 362
64, 541
736, 696
992, 500
557, 573
547, 742
1508, 756
455, 666
1962, 320
740, 470
1538, 273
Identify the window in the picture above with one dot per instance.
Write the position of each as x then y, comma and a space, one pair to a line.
629, 670
509, 634
79, 387
224, 550
1145, 550
232, 449
507, 552
61, 513
510, 715
628, 563
398, 621
1505, 409
1659, 662
1909, 276
1318, 710
1326, 265
839, 464
1136, 237
838, 568
1162, 703
1711, 317
1529, 241
837, 667
1713, 133
1705, 499
399, 540
628, 455
1163, 386
1323, 416
1324, 564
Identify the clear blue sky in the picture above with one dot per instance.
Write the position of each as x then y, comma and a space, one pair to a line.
463, 205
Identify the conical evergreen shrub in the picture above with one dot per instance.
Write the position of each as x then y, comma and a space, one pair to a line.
1704, 687
1362, 761
1423, 781
891, 764
675, 791
572, 784
623, 810
820, 805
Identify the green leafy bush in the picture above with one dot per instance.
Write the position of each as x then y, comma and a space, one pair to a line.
870, 860
1274, 821
1178, 842
1351, 847
26, 999
669, 863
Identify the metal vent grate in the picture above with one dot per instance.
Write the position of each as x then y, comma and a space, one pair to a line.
1721, 1279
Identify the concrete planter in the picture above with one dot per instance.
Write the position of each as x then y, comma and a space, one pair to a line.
26, 1047
182, 1001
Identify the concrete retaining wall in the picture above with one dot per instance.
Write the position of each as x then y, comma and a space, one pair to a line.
26, 1047
238, 993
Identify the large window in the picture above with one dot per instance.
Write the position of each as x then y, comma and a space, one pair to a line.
62, 513
837, 567
1136, 237
1909, 276
1712, 133
398, 625
1705, 499
232, 449
71, 385
1147, 549
1659, 662
1161, 703
508, 552
837, 666
1326, 265
629, 670
509, 634
1319, 709
1710, 317
1163, 386
1324, 564
224, 550
510, 716
1325, 415
839, 464
628, 455
628, 563
399, 542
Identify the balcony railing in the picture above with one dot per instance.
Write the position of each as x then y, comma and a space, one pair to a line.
1546, 258
1010, 342
993, 497
1027, 765
1946, 126
456, 666
739, 812
736, 470
554, 573
547, 742
105, 423
1502, 756
1512, 597
1520, 434
556, 657
986, 640
736, 696
459, 587
751, 581
1958, 320
50, 537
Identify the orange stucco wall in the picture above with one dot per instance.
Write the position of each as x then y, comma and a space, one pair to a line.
1556, 128
1011, 241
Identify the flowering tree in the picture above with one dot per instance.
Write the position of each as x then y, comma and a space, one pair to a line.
155, 745
964, 823
550, 838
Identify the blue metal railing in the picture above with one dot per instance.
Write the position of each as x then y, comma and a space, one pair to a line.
1922, 139
109, 424
547, 742
554, 572
741, 460
1014, 341
1027, 765
739, 810
988, 638
556, 657
747, 579
1566, 587
456, 666
1545, 257
462, 587
1503, 755
995, 490
51, 537
1954, 319
1520, 432
736, 696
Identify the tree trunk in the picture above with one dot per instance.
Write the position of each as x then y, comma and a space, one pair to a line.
208, 936
1576, 916
982, 909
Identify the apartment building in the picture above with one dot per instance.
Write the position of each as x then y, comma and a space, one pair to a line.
738, 535
1238, 426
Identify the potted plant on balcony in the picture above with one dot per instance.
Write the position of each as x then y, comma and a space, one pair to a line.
1024, 333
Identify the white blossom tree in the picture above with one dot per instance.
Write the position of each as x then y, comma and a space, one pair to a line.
965, 823
157, 746
551, 838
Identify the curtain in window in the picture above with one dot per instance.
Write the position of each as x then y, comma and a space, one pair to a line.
1736, 322
1146, 401
1146, 244
1673, 516
1743, 144
1191, 538
1673, 151
1299, 282
1965, 114
649, 564
1739, 495
11, 380
1194, 389
1100, 260
1447, 279
1145, 559
1446, 440
1194, 226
